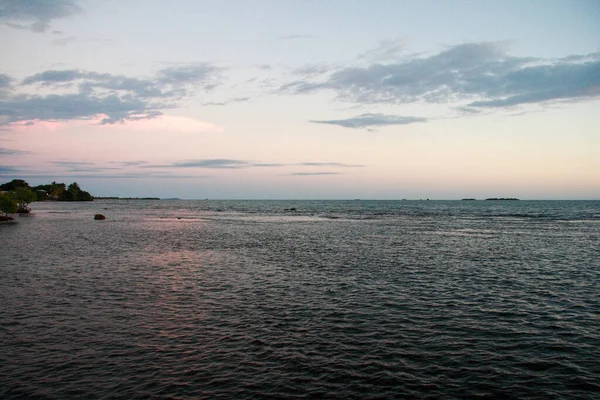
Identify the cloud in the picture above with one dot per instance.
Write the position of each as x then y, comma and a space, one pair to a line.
268, 165
224, 103
88, 94
86, 169
35, 15
7, 170
564, 80
5, 82
168, 83
203, 75
480, 75
11, 152
311, 70
372, 120
217, 163
90, 169
302, 86
50, 77
72, 163
73, 106
81, 166
223, 163
329, 164
387, 50
69, 175
130, 163
314, 173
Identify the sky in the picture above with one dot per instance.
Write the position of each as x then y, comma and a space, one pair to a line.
304, 99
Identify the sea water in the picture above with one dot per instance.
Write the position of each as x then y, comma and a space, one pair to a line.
296, 299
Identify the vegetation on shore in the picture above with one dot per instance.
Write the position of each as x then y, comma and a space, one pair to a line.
7, 206
16, 195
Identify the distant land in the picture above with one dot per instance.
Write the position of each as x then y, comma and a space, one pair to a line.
126, 198
492, 198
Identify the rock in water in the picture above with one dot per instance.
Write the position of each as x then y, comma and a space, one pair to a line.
99, 217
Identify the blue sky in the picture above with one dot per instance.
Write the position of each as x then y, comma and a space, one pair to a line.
303, 99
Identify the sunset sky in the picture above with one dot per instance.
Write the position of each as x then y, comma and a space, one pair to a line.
313, 99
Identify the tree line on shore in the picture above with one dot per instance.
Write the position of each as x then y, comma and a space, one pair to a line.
16, 195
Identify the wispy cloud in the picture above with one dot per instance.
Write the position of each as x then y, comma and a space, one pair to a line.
86, 169
220, 163
11, 152
224, 103
203, 75
210, 163
5, 169
167, 83
314, 173
116, 97
5, 81
35, 15
387, 50
311, 70
82, 166
25, 108
11, 172
329, 164
268, 165
478, 75
72, 163
130, 163
372, 120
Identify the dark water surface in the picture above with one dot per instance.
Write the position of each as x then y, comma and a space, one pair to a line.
245, 299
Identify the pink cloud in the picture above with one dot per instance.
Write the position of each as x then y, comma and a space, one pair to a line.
163, 123
166, 123
37, 126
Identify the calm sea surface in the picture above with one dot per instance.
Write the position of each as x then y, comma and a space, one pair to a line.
338, 299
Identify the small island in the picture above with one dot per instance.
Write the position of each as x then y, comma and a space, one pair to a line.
16, 195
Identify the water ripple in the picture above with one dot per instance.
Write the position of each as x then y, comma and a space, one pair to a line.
179, 300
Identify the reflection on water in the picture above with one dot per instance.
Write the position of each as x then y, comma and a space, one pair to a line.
341, 299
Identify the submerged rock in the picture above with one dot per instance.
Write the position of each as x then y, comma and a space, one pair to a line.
5, 218
99, 217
